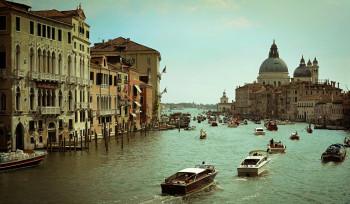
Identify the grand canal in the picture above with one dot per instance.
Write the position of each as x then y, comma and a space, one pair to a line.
133, 174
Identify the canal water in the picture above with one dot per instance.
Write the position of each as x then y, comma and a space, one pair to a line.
134, 174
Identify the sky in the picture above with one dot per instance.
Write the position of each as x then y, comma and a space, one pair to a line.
210, 46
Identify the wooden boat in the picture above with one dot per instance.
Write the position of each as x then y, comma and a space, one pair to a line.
294, 136
335, 152
276, 147
259, 131
271, 127
232, 125
254, 164
347, 142
20, 159
203, 136
213, 124
322, 126
189, 180
308, 129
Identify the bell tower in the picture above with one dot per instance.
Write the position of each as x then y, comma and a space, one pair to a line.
224, 99
314, 71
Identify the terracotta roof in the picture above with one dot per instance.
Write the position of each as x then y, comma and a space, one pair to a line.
49, 13
9, 4
120, 44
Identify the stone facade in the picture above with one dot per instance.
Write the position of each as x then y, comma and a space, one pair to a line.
43, 92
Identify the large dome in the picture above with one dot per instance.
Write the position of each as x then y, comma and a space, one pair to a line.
301, 72
273, 65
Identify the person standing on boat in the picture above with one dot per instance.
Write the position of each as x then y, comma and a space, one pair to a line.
203, 165
201, 132
271, 141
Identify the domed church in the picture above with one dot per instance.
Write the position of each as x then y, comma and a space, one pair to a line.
306, 73
273, 70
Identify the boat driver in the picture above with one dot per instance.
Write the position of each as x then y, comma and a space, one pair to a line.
203, 165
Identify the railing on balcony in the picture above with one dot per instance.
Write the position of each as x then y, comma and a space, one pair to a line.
90, 106
104, 86
34, 75
78, 79
19, 73
62, 78
91, 83
44, 76
71, 79
3, 73
106, 112
77, 105
84, 105
50, 110
85, 82
119, 80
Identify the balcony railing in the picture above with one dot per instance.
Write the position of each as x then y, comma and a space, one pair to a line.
78, 80
3, 73
62, 78
106, 112
85, 82
50, 110
44, 76
34, 75
91, 83
119, 80
90, 106
19, 73
77, 105
84, 105
104, 86
93, 113
71, 79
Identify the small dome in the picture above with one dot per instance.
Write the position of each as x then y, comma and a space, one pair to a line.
309, 63
273, 65
302, 71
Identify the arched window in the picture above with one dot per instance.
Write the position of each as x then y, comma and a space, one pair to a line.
48, 62
43, 98
53, 98
18, 56
70, 100
18, 99
48, 98
263, 82
60, 99
69, 65
59, 64
75, 65
274, 83
3, 101
44, 61
53, 62
31, 99
39, 98
31, 60
279, 84
39, 61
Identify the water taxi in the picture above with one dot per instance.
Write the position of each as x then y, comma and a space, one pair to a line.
335, 152
190, 128
20, 159
271, 127
294, 136
276, 147
259, 131
189, 180
254, 164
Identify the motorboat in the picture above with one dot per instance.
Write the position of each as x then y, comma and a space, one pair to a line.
232, 125
20, 159
203, 135
335, 152
213, 124
347, 142
321, 126
294, 136
190, 128
272, 127
189, 180
259, 131
254, 164
276, 147
308, 129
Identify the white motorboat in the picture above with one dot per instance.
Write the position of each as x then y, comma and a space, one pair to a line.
276, 147
254, 164
259, 131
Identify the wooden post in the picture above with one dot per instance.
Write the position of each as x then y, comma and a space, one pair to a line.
47, 144
106, 139
128, 130
75, 143
50, 144
81, 142
70, 143
122, 137
64, 144
95, 139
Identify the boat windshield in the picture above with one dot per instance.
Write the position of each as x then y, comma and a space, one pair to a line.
250, 161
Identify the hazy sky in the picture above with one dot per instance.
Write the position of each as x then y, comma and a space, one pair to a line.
212, 45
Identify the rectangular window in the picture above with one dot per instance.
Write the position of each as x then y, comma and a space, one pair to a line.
18, 24
53, 33
31, 27
87, 34
92, 76
2, 60
48, 32
39, 29
75, 45
44, 31
110, 80
98, 78
40, 125
31, 126
59, 35
70, 124
82, 48
115, 81
2, 22
69, 38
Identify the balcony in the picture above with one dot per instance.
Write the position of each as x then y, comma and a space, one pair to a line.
91, 83
119, 81
125, 81
104, 86
3, 73
19, 73
85, 82
34, 75
105, 112
71, 79
93, 113
44, 76
78, 80
77, 105
84, 105
62, 78
90, 106
50, 110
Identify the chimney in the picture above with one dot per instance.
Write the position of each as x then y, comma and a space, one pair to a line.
103, 41
128, 40
338, 85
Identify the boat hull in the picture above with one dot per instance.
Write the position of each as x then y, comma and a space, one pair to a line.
337, 158
259, 133
22, 163
183, 189
252, 171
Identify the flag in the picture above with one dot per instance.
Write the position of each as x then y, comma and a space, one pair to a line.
165, 91
164, 70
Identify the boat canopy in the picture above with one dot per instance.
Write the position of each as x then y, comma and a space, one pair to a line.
192, 170
258, 151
